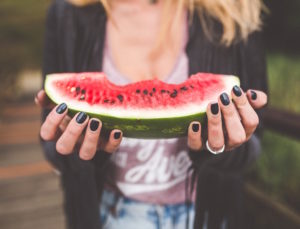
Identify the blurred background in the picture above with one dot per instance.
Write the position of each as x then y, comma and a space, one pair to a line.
30, 196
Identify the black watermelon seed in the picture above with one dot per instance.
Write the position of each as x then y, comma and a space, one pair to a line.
150, 94
106, 100
162, 91
82, 91
82, 97
173, 94
191, 86
153, 89
120, 97
138, 91
145, 92
77, 90
184, 88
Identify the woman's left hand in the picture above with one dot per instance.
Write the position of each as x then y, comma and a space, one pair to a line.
239, 118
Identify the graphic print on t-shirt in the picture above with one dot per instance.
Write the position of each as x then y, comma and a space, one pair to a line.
146, 166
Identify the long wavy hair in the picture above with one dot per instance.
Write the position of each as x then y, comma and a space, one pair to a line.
238, 18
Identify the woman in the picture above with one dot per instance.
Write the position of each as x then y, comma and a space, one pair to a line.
134, 40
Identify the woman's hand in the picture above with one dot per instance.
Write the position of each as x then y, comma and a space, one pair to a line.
79, 130
238, 124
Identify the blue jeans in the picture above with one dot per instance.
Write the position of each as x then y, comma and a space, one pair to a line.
123, 213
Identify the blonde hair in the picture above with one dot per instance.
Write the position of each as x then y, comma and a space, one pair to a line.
238, 18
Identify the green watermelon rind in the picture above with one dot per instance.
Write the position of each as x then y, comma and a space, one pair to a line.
148, 128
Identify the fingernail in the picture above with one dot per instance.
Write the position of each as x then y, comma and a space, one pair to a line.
237, 91
117, 135
214, 108
81, 117
61, 108
225, 99
195, 127
253, 95
94, 125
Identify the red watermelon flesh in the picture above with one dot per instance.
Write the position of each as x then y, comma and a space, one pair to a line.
141, 109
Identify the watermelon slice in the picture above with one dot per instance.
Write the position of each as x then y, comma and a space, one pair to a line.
146, 109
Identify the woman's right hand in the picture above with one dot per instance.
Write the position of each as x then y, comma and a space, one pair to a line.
69, 132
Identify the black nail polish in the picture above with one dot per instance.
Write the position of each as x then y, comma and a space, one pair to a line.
81, 117
214, 108
117, 135
253, 95
61, 108
225, 99
237, 91
94, 125
195, 127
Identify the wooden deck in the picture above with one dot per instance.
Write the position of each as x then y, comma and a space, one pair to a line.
30, 194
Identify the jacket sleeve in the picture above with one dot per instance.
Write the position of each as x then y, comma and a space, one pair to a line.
219, 183
80, 186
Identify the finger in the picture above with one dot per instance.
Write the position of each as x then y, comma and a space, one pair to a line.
257, 99
43, 100
64, 123
66, 143
49, 128
194, 136
215, 130
90, 142
248, 115
113, 142
235, 130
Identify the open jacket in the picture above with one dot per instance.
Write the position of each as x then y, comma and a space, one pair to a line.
74, 42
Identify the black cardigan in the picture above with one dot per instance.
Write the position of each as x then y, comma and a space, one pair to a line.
74, 42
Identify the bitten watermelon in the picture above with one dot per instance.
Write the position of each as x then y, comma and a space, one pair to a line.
146, 109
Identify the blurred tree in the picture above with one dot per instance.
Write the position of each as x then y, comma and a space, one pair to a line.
282, 26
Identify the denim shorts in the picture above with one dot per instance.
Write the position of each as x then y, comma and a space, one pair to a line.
119, 212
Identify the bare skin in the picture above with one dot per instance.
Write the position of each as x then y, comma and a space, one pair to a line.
131, 39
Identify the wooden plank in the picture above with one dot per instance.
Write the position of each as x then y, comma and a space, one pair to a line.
32, 202
46, 218
284, 122
19, 133
20, 154
264, 212
24, 186
20, 111
36, 202
30, 193
32, 169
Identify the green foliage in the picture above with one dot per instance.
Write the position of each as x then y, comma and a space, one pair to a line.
284, 81
277, 171
21, 39
282, 28
21, 26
